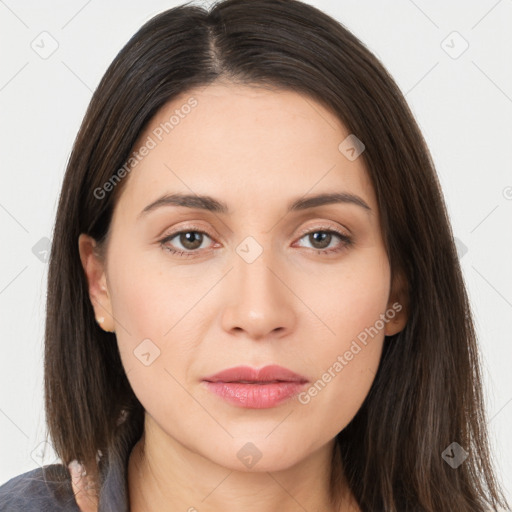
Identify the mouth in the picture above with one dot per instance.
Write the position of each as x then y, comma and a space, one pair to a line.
251, 388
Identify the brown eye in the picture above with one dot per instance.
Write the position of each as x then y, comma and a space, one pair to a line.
322, 241
186, 242
190, 239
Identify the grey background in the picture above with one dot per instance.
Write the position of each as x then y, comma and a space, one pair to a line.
462, 99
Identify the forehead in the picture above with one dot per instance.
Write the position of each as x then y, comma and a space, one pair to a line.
246, 143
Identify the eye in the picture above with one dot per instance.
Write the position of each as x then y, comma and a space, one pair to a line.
321, 239
190, 239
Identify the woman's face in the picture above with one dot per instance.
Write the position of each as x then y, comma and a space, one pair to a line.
260, 282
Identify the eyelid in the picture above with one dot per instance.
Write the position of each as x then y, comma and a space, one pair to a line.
321, 226
187, 227
304, 231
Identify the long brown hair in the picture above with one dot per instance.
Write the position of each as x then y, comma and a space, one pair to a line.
427, 393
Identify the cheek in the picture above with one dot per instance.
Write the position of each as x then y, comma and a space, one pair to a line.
346, 358
344, 371
150, 312
348, 298
152, 299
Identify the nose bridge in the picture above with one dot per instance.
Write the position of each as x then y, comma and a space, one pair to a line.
259, 303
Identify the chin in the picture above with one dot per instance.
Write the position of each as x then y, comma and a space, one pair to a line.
259, 456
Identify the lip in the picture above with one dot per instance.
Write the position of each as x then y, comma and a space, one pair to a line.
254, 388
268, 373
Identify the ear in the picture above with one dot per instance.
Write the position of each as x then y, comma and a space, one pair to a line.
97, 282
398, 306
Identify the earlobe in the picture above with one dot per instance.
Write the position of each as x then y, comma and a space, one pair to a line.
398, 309
397, 323
96, 281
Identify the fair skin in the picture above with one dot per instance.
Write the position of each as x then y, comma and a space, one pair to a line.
257, 151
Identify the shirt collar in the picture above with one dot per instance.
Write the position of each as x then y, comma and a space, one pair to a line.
113, 496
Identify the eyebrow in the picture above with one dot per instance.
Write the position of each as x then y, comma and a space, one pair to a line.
211, 204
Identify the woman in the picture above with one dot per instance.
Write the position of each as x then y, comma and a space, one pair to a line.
254, 298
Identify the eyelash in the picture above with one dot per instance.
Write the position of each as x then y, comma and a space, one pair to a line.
345, 239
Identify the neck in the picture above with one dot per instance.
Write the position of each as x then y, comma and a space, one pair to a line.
165, 476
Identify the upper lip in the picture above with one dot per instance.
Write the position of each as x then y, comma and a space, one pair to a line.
248, 374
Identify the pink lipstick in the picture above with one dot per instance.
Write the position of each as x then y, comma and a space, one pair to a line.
248, 387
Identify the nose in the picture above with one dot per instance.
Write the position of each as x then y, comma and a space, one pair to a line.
260, 302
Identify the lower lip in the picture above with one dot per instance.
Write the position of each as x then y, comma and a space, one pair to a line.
255, 396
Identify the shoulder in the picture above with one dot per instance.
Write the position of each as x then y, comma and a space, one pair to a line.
45, 489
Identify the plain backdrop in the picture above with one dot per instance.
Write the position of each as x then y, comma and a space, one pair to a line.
452, 60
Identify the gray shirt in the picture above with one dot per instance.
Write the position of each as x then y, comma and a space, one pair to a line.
48, 489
